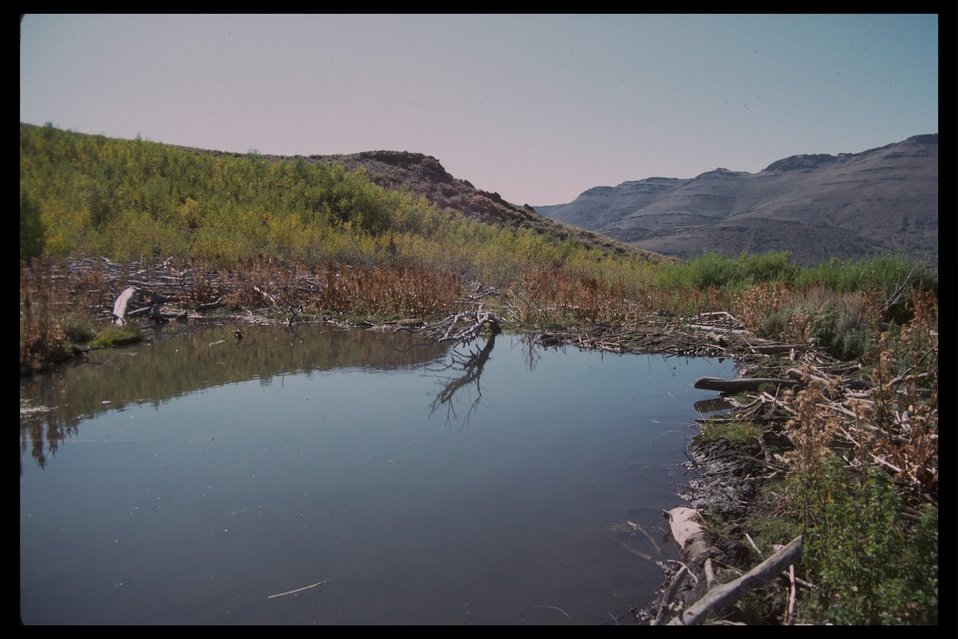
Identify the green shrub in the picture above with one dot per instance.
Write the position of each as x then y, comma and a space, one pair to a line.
32, 231
867, 566
841, 333
886, 273
711, 270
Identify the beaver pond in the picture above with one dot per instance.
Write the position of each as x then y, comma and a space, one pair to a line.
350, 477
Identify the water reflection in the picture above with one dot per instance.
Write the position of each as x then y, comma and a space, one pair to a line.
467, 366
203, 508
180, 360
712, 405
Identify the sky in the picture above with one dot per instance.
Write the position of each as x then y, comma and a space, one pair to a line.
535, 107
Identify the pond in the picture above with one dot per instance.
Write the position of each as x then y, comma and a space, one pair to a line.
319, 476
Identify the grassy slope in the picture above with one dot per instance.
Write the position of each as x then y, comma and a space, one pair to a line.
126, 199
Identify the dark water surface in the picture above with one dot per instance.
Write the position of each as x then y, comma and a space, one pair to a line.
192, 480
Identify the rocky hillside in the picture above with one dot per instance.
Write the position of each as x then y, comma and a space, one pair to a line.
424, 175
816, 206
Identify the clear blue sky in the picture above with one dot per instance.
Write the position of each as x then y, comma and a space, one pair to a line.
536, 107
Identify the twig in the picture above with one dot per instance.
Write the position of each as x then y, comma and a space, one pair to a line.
841, 409
807, 584
710, 580
292, 592
753, 545
635, 526
775, 401
695, 580
885, 463
669, 593
790, 613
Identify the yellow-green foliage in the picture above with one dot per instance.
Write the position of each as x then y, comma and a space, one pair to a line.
127, 199
116, 336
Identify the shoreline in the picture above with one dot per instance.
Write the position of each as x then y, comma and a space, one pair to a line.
736, 456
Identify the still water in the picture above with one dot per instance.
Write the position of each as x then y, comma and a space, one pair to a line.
202, 480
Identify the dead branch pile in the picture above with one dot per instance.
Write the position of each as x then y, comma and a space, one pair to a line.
463, 327
186, 289
881, 416
869, 418
712, 334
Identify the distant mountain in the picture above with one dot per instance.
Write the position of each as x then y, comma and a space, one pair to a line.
816, 206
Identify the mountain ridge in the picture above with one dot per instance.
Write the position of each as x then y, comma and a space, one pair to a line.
816, 206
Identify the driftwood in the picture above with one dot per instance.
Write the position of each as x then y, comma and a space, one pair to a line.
669, 594
217, 303
739, 385
119, 306
688, 532
771, 349
725, 595
449, 330
718, 329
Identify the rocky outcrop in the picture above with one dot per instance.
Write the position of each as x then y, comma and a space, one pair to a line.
801, 162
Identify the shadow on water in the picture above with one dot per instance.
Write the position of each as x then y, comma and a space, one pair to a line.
179, 360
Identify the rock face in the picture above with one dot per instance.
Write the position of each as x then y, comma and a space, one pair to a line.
816, 206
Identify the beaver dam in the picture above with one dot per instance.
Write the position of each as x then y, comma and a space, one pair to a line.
257, 462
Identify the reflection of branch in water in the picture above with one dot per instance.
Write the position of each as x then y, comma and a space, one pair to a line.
471, 365
297, 338
532, 353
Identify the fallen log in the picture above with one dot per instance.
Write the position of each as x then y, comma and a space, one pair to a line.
719, 329
739, 385
209, 306
713, 314
119, 306
725, 595
771, 349
688, 532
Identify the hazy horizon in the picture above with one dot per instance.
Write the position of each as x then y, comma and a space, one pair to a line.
536, 107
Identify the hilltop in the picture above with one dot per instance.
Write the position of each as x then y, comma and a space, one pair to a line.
424, 175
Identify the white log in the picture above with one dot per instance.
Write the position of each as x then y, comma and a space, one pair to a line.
688, 532
119, 306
